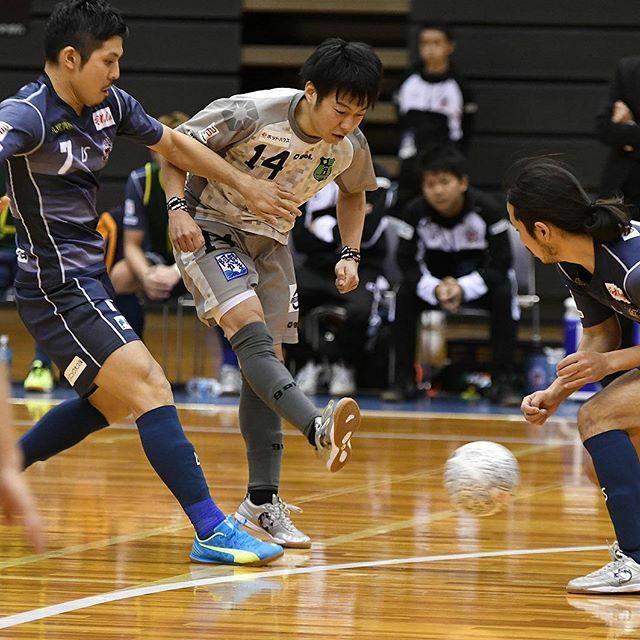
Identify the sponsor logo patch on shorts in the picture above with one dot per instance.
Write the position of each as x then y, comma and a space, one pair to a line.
231, 265
122, 322
74, 370
293, 298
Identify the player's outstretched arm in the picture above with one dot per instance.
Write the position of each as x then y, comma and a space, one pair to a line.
15, 498
264, 198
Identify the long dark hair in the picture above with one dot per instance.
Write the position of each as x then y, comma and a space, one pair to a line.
544, 189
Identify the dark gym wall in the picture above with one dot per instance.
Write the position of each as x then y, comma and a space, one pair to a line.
179, 55
540, 72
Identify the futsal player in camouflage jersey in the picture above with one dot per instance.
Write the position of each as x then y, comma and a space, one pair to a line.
236, 263
57, 134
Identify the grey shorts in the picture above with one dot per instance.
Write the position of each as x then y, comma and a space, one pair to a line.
234, 265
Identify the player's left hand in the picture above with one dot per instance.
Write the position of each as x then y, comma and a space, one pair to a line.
582, 367
184, 233
5, 201
346, 275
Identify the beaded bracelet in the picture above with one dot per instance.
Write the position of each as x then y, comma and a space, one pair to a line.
349, 253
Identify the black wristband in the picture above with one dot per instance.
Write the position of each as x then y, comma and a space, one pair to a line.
349, 253
175, 204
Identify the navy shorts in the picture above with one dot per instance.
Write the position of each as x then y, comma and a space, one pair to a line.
77, 325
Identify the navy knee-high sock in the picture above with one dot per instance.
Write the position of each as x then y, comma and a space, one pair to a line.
60, 428
176, 462
618, 469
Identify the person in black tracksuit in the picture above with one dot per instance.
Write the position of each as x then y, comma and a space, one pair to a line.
317, 242
454, 250
617, 128
434, 104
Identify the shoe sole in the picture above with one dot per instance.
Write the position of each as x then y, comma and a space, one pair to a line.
346, 420
257, 563
604, 590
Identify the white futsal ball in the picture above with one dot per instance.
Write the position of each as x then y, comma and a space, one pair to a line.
480, 477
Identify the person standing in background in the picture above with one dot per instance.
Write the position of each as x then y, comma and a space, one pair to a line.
434, 104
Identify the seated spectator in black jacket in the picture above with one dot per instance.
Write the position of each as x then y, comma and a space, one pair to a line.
455, 250
317, 244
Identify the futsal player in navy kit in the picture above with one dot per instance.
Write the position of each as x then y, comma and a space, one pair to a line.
597, 250
57, 134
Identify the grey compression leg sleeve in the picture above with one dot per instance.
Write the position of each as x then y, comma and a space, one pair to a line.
262, 432
270, 379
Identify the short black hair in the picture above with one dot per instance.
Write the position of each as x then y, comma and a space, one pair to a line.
443, 158
83, 25
438, 25
349, 68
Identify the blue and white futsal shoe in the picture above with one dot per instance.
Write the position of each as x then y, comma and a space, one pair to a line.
229, 544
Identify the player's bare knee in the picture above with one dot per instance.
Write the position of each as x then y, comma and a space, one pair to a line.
154, 389
587, 420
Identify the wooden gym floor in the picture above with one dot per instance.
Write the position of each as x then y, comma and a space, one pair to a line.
390, 558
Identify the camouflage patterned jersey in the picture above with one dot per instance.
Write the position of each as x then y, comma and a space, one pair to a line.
257, 133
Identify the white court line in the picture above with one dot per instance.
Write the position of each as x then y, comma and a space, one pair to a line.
124, 594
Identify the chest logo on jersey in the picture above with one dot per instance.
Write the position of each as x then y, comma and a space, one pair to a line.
324, 168
60, 127
209, 132
103, 118
231, 265
616, 293
303, 156
5, 127
275, 138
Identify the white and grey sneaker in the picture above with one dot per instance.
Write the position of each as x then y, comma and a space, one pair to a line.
334, 429
273, 519
230, 380
308, 378
621, 575
343, 380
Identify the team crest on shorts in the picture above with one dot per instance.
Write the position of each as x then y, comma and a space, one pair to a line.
231, 265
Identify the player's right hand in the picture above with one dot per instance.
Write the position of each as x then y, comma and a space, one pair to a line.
537, 407
5, 201
269, 201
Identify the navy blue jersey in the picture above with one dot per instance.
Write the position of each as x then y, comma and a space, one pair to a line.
615, 283
55, 157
